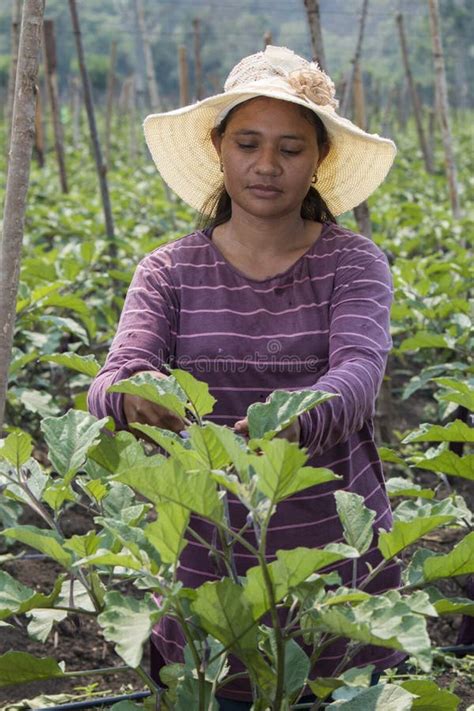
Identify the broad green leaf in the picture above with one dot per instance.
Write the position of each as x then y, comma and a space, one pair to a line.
425, 339
33, 475
450, 605
126, 706
128, 622
297, 667
19, 360
16, 598
21, 668
458, 391
225, 613
47, 542
40, 403
457, 431
42, 621
187, 692
281, 409
388, 455
235, 446
84, 545
65, 324
87, 365
103, 556
68, 439
280, 472
322, 687
446, 462
383, 697
421, 380
459, 561
170, 482
165, 392
16, 448
356, 518
290, 569
209, 447
413, 574
171, 443
414, 520
167, 533
132, 538
430, 697
197, 392
397, 486
386, 620
118, 453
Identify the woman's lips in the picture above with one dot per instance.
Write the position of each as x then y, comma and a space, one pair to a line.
265, 191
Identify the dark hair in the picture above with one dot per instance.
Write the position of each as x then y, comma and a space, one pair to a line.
217, 208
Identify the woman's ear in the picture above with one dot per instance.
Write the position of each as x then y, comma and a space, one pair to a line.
323, 153
216, 139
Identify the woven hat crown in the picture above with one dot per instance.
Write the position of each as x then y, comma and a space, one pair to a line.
281, 65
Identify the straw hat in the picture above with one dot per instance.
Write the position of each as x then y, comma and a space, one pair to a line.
180, 140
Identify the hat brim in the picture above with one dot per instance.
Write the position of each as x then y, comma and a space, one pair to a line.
180, 145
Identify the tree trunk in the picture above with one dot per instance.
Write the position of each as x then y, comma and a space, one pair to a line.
15, 37
442, 107
52, 84
183, 76
140, 64
101, 167
110, 99
415, 99
23, 123
76, 111
348, 89
314, 23
148, 57
197, 59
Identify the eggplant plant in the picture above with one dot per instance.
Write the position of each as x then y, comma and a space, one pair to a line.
141, 502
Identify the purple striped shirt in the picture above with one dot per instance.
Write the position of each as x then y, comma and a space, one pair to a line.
324, 323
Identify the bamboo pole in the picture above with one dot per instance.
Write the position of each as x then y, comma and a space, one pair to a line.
76, 111
110, 99
140, 62
415, 99
52, 84
361, 212
148, 57
23, 122
197, 58
314, 23
183, 76
442, 107
100, 165
15, 37
356, 58
39, 136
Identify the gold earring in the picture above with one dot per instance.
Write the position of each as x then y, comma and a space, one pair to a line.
221, 167
314, 179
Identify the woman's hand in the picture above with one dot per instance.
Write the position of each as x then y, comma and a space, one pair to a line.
136, 409
291, 433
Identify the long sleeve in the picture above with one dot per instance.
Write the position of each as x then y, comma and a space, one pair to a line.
144, 336
359, 344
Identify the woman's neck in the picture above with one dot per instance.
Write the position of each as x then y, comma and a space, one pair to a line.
270, 237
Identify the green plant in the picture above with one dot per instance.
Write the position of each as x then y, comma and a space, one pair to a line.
126, 544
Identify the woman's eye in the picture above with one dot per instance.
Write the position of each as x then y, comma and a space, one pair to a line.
246, 145
290, 153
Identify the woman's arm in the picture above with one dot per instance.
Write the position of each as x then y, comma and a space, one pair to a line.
143, 338
359, 344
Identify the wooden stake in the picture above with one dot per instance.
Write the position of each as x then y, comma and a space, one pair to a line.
148, 57
415, 99
356, 58
18, 175
359, 99
15, 38
442, 107
314, 23
140, 61
110, 99
100, 165
183, 76
132, 110
267, 39
197, 58
52, 84
39, 136
76, 111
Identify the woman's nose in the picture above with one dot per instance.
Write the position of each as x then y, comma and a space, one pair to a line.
268, 162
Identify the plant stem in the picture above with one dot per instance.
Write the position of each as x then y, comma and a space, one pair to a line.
96, 672
195, 655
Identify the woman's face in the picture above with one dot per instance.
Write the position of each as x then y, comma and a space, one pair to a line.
269, 154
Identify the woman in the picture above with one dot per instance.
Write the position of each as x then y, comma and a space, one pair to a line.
271, 294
